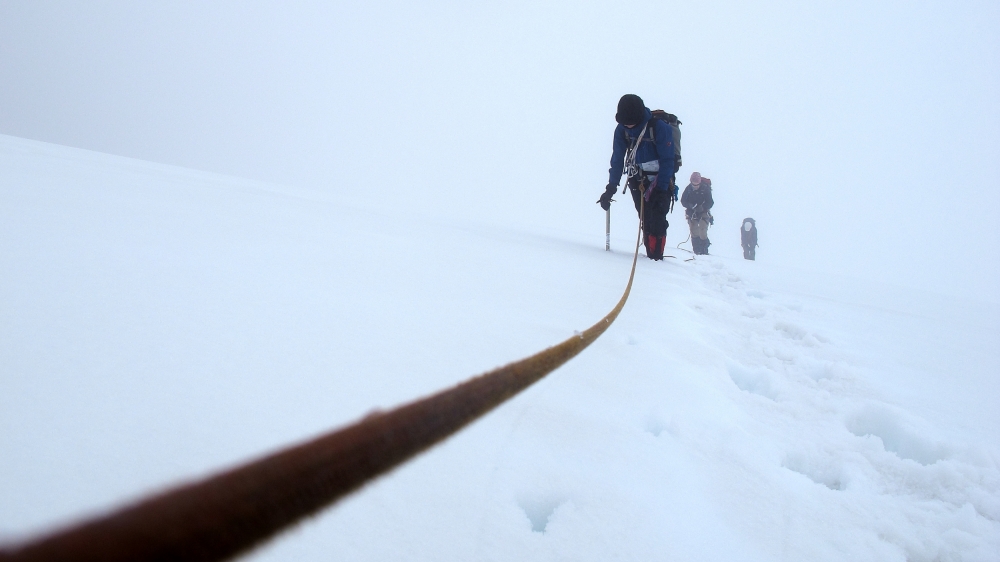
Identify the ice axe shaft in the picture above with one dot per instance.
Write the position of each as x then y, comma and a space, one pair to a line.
607, 230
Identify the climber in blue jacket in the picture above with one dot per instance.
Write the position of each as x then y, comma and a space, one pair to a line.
642, 147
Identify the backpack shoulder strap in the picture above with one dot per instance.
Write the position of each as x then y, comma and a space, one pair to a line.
629, 139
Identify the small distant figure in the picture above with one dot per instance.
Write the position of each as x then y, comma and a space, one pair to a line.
748, 238
697, 201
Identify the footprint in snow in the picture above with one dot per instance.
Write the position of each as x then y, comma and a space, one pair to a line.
790, 331
539, 510
824, 472
655, 426
897, 434
762, 382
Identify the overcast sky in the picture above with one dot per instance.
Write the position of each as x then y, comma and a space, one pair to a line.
861, 135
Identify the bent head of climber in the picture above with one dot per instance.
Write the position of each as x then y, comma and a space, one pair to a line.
631, 111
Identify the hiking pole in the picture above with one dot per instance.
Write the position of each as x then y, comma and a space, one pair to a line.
607, 230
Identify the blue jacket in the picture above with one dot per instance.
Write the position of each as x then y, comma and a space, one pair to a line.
662, 149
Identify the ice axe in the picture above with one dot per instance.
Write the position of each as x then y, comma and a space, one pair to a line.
607, 230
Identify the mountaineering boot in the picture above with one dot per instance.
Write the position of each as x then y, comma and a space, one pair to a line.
650, 243
696, 245
661, 244
704, 246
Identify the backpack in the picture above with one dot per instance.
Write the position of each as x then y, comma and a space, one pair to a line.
675, 123
671, 120
748, 237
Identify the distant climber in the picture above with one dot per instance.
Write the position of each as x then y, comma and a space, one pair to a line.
642, 147
697, 202
748, 238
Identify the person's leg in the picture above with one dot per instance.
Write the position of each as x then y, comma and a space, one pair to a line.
633, 188
665, 202
700, 231
656, 222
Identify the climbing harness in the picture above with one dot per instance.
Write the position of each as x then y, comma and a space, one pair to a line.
631, 169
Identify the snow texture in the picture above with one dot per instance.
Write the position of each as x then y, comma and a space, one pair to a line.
158, 324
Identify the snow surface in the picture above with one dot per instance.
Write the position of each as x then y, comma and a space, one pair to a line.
157, 324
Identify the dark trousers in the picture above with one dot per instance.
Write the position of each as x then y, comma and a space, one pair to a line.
749, 252
655, 220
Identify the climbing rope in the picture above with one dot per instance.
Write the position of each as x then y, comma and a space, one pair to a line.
228, 514
630, 166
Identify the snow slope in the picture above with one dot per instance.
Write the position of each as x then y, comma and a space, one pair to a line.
158, 323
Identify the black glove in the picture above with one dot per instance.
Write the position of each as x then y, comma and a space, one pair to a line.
605, 200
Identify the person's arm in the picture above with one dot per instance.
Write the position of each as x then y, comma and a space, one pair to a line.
617, 157
686, 198
709, 202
